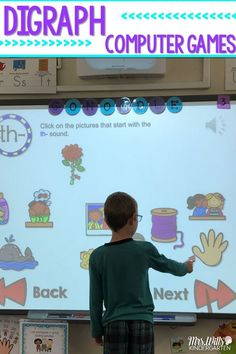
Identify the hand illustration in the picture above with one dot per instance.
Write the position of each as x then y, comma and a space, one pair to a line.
5, 346
213, 248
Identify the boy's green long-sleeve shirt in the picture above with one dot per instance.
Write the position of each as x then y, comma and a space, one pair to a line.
119, 280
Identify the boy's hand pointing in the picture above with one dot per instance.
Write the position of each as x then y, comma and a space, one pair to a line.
189, 264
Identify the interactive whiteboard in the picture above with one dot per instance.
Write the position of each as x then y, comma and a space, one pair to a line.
58, 165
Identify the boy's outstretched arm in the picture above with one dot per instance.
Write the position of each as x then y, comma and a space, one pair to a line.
163, 264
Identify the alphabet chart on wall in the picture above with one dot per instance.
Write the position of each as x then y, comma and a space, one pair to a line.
22, 75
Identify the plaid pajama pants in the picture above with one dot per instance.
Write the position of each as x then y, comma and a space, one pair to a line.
129, 337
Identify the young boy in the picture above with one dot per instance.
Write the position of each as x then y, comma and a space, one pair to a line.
119, 281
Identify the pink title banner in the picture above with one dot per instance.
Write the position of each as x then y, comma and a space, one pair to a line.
117, 28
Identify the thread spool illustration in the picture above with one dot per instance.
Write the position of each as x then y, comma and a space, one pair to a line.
164, 226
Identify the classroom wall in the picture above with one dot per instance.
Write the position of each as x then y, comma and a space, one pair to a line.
183, 77
80, 341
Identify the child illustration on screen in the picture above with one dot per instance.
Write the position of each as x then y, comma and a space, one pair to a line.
96, 223
198, 203
208, 207
95, 220
215, 204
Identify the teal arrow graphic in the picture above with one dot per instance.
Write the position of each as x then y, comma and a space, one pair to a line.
51, 42
36, 42
44, 42
22, 43
14, 43
177, 16
66, 43
87, 43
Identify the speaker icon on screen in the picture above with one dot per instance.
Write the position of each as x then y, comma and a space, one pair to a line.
217, 125
211, 125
